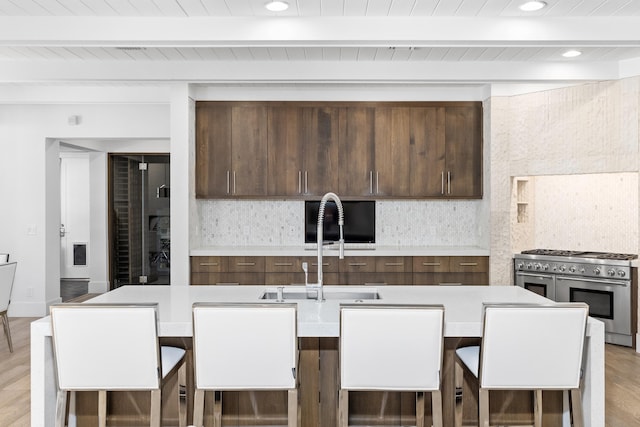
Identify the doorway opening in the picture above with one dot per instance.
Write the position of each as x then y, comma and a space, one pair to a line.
139, 219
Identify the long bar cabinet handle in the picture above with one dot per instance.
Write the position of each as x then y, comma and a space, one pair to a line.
228, 182
394, 264
448, 182
370, 182
468, 264
357, 264
205, 264
283, 264
299, 182
315, 264
377, 182
234, 182
431, 264
245, 264
442, 182
306, 182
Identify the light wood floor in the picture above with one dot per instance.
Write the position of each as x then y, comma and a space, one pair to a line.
622, 389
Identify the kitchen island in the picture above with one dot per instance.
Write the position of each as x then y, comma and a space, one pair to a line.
318, 329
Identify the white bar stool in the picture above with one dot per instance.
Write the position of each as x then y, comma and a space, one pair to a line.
244, 346
7, 274
528, 347
112, 347
393, 348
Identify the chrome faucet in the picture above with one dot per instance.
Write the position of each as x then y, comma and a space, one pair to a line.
323, 202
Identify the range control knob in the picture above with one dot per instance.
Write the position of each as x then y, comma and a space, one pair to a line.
611, 272
596, 271
529, 265
621, 273
520, 265
562, 267
572, 269
545, 267
538, 266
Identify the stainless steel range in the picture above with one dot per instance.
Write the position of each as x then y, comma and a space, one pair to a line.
605, 281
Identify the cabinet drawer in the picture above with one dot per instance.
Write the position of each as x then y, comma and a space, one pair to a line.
246, 264
471, 264
284, 279
205, 264
280, 264
430, 264
227, 279
329, 264
396, 264
357, 265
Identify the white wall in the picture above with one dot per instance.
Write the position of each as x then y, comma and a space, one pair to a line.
30, 194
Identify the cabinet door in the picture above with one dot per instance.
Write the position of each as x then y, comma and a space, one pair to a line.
464, 150
213, 150
285, 150
249, 150
410, 152
321, 134
357, 150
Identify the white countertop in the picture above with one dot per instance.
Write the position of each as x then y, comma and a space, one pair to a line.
463, 304
332, 250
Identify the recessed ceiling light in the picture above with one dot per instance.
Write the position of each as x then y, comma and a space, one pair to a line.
277, 6
572, 53
532, 6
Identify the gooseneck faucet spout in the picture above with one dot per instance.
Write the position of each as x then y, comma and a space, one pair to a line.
323, 202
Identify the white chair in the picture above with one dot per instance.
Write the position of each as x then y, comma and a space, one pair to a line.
244, 346
393, 348
528, 347
7, 273
112, 347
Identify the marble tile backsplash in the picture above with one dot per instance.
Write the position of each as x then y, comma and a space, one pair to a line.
597, 212
281, 223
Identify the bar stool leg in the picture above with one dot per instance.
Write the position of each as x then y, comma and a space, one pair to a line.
61, 408
102, 408
436, 408
419, 409
292, 408
576, 408
343, 408
537, 408
483, 408
7, 330
198, 408
217, 408
156, 408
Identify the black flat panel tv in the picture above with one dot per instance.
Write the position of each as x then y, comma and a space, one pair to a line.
359, 221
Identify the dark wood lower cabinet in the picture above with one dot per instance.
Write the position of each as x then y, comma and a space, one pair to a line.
318, 398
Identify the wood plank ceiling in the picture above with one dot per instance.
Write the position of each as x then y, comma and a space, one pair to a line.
488, 34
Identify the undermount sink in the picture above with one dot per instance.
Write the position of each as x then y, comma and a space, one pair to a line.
300, 293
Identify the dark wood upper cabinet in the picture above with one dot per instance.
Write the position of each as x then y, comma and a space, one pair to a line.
321, 138
231, 150
359, 150
213, 150
303, 150
464, 150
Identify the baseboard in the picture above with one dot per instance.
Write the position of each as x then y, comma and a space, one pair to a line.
31, 309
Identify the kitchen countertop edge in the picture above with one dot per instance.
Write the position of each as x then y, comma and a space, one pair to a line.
333, 251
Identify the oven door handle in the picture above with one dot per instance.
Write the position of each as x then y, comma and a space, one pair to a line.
624, 283
545, 276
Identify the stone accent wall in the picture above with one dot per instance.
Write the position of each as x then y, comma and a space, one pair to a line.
586, 129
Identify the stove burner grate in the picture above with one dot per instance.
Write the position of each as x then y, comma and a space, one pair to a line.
552, 252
